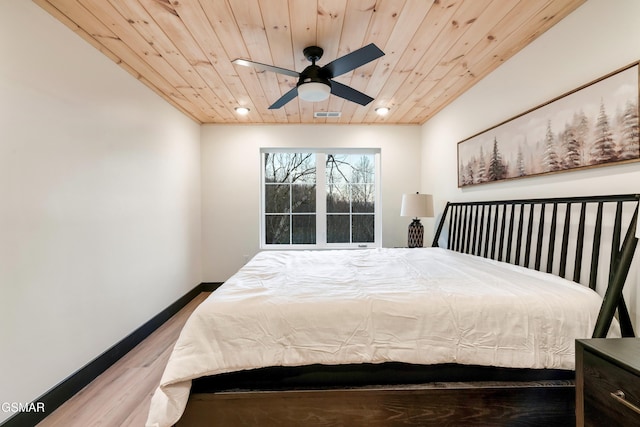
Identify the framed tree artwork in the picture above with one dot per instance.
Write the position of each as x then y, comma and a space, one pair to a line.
594, 125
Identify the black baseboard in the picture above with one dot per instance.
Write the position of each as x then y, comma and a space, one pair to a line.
66, 389
209, 286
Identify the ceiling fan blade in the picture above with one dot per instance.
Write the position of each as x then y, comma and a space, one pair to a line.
284, 99
353, 60
349, 93
265, 67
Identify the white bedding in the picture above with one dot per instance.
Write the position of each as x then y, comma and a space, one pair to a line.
423, 306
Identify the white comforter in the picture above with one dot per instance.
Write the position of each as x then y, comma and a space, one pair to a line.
423, 306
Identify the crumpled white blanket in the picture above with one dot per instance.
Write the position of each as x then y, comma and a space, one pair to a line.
423, 306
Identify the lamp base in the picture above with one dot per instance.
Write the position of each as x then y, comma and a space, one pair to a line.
416, 234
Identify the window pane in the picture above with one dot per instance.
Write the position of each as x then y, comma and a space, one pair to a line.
364, 169
289, 167
277, 229
350, 168
303, 166
337, 170
303, 198
363, 198
363, 228
338, 229
276, 198
304, 229
273, 167
338, 198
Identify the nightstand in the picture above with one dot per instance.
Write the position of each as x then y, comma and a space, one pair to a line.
608, 382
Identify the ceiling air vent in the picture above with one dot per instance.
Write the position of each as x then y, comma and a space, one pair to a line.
323, 114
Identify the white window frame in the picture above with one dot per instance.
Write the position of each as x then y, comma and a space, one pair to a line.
321, 206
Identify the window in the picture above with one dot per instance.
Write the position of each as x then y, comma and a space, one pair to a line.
314, 199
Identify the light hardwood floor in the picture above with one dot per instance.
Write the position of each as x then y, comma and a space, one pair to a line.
122, 394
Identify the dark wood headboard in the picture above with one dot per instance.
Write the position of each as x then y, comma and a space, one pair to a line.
567, 236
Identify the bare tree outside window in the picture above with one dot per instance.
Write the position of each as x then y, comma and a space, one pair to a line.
350, 198
291, 190
290, 198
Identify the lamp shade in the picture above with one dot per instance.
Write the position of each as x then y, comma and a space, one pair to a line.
314, 91
417, 205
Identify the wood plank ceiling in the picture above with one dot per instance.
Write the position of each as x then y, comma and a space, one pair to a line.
435, 50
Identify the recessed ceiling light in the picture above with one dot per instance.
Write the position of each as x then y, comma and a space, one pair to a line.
243, 111
382, 111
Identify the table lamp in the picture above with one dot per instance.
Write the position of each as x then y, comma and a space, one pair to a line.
416, 206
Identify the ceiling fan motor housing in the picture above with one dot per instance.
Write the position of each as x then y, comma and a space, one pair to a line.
315, 74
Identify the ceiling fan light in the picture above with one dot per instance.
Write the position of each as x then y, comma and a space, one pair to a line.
314, 91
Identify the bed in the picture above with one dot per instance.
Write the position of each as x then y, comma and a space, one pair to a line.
499, 295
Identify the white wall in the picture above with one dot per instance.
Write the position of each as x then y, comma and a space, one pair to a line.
599, 37
231, 182
99, 203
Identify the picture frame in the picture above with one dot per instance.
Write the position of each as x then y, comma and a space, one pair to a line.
592, 126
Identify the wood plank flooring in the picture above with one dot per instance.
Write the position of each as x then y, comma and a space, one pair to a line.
122, 394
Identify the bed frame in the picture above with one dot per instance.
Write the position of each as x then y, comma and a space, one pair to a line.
596, 250
522, 232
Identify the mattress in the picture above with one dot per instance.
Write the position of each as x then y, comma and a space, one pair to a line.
420, 306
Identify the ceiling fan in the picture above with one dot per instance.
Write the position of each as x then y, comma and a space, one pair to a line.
315, 83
